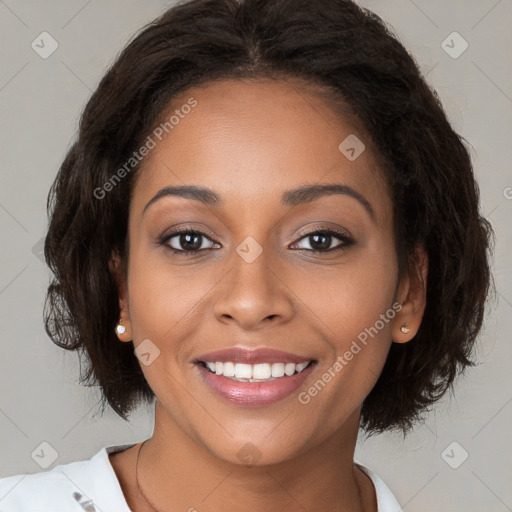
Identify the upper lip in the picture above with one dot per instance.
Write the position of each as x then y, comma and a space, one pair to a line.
252, 356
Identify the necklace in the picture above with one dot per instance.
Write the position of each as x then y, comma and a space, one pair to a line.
137, 480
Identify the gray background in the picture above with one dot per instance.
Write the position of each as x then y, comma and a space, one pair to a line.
40, 101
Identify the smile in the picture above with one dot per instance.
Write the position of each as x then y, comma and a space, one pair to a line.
244, 389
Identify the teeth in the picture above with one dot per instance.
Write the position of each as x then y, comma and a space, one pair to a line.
261, 371
228, 369
242, 371
301, 366
254, 372
278, 369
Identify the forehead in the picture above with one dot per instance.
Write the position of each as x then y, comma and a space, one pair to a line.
251, 140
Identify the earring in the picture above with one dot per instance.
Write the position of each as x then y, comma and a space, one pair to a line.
120, 329
404, 328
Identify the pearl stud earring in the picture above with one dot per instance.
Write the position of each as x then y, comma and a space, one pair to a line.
404, 328
120, 329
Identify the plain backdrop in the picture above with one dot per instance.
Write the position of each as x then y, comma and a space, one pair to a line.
40, 102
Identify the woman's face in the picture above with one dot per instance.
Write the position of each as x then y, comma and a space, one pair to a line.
254, 281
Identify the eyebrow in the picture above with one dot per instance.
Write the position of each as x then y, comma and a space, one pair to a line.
294, 197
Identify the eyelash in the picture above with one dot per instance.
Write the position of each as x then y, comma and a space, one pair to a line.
346, 240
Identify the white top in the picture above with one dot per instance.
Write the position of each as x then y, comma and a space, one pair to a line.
92, 486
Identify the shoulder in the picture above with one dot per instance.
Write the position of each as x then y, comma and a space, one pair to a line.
386, 501
86, 485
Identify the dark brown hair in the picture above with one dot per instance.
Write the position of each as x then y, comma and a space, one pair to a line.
336, 45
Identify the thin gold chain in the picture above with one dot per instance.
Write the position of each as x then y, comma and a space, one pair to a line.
137, 480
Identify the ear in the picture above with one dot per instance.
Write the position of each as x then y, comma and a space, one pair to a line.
412, 295
118, 272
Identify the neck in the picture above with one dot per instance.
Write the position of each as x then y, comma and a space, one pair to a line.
176, 471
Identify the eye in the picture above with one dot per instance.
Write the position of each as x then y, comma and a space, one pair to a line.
186, 241
320, 240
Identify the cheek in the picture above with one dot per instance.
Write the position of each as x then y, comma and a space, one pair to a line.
165, 298
351, 296
355, 309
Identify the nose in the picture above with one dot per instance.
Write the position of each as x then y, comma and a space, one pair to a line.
253, 295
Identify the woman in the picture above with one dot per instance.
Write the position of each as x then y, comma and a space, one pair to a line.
268, 225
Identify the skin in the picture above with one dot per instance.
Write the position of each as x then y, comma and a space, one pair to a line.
250, 141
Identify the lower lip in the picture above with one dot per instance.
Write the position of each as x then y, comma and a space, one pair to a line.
253, 394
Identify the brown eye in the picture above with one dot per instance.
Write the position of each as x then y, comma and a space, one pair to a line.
321, 240
186, 241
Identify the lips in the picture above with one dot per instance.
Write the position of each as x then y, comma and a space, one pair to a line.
254, 392
255, 356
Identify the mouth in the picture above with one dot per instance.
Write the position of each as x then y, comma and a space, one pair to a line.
253, 377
